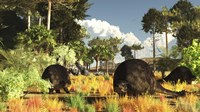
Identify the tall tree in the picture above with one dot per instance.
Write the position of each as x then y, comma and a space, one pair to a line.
183, 11
49, 14
27, 8
103, 49
113, 47
152, 23
97, 50
67, 28
24, 8
184, 18
165, 26
82, 52
68, 3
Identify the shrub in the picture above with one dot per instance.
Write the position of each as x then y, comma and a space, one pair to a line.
12, 84
64, 53
191, 57
22, 69
38, 38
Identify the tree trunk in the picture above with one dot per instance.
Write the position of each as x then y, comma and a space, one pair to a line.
29, 19
49, 15
166, 43
113, 64
106, 66
97, 63
154, 51
135, 54
100, 65
40, 21
60, 37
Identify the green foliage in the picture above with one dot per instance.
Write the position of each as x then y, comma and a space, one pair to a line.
175, 52
12, 84
191, 57
104, 49
126, 52
112, 105
38, 38
65, 53
184, 21
198, 105
80, 49
20, 70
89, 108
152, 21
3, 107
64, 19
77, 101
32, 77
183, 10
187, 33
167, 63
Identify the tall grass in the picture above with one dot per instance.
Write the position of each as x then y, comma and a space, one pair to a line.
187, 104
144, 103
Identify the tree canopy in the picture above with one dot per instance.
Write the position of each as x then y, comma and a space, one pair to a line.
185, 23
182, 20
104, 49
25, 14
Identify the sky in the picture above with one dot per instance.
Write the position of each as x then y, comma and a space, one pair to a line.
122, 18
127, 14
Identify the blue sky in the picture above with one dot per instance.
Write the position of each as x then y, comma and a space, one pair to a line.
127, 14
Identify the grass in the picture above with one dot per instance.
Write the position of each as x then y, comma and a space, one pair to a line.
84, 86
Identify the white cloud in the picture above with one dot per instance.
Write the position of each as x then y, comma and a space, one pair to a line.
160, 43
99, 28
130, 39
102, 29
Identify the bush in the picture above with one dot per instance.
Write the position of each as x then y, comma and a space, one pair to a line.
191, 57
12, 84
38, 38
65, 53
21, 70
